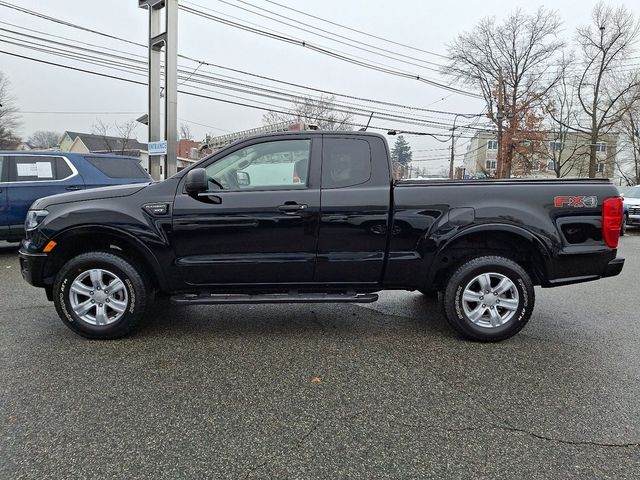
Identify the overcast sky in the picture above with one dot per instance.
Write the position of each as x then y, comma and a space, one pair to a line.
424, 24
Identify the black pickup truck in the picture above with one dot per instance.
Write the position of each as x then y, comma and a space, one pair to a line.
317, 217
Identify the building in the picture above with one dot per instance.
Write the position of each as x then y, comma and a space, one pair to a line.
91, 143
188, 153
570, 156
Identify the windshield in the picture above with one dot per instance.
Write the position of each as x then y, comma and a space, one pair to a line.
633, 192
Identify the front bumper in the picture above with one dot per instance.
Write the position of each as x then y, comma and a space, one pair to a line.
32, 265
633, 220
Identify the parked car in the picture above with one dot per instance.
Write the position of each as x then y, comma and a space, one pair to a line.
632, 206
623, 229
28, 175
339, 232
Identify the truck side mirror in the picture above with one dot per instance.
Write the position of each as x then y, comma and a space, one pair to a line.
197, 181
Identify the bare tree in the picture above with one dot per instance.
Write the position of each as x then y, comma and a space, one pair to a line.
313, 111
565, 152
185, 132
9, 119
44, 139
605, 89
120, 142
629, 167
125, 133
511, 65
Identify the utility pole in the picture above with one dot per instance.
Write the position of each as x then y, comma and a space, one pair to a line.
453, 145
500, 117
158, 40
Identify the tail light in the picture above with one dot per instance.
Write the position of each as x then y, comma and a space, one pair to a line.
612, 220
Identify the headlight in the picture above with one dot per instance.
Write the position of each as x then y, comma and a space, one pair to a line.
34, 218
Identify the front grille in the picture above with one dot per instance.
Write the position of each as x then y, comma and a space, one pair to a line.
635, 210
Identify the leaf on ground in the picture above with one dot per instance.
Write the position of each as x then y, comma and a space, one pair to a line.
316, 379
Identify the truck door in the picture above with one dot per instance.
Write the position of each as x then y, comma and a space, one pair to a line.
354, 210
261, 226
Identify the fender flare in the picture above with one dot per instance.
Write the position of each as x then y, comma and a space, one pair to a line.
535, 241
143, 249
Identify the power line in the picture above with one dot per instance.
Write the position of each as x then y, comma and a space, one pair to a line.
194, 94
331, 53
68, 24
270, 93
357, 31
297, 24
199, 61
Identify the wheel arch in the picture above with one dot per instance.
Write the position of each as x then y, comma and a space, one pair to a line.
77, 240
509, 241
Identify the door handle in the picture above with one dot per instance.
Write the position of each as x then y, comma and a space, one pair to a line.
291, 208
73, 187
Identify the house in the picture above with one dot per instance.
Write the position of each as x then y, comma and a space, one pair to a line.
570, 156
92, 143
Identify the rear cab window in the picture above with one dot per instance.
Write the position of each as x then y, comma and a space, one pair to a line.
346, 162
35, 168
118, 167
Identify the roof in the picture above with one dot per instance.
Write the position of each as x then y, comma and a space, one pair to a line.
60, 153
104, 143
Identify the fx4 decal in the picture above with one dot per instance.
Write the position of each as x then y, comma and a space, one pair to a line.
578, 201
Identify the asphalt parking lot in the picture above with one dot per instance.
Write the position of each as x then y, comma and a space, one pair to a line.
324, 391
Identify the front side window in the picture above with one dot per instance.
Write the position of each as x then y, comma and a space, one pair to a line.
283, 164
345, 162
31, 168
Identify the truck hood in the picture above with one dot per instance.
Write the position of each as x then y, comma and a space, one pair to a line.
89, 194
631, 201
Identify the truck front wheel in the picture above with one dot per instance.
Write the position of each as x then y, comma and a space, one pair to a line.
489, 299
100, 295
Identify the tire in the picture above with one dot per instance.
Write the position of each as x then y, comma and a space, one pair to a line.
109, 314
623, 227
464, 299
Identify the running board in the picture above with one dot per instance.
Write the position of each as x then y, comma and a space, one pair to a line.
292, 297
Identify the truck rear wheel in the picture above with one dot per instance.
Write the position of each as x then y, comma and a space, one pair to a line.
489, 299
100, 295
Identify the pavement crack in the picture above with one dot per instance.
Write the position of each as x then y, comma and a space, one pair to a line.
502, 424
511, 428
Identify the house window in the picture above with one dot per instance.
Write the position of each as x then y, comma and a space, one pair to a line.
535, 166
551, 164
555, 146
491, 164
492, 145
600, 168
601, 147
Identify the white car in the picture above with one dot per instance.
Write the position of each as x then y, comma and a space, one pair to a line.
632, 206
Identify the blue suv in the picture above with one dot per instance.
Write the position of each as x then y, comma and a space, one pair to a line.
28, 175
